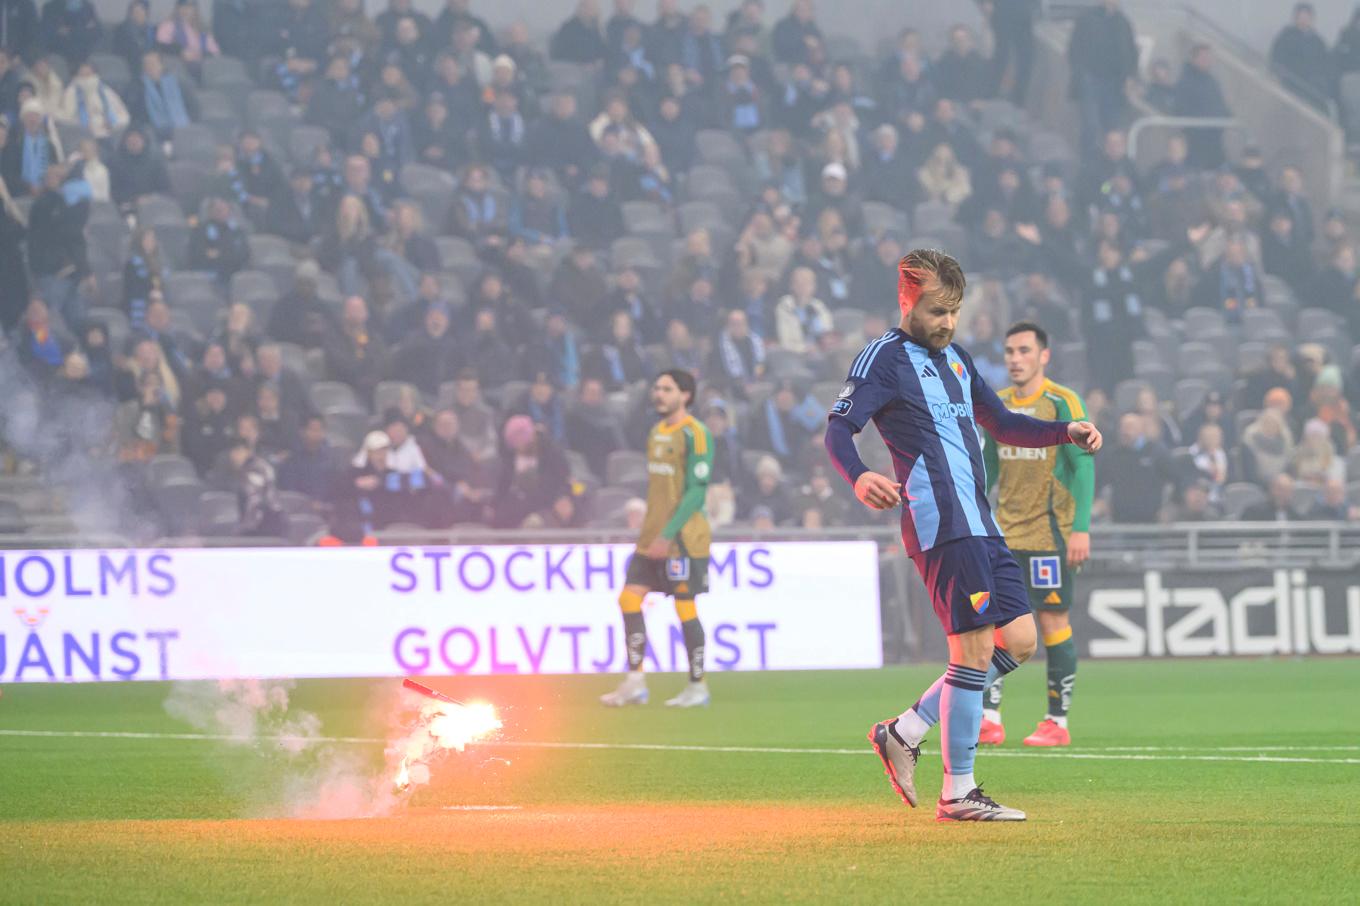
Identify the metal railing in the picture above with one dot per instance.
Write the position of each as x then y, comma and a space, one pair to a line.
1186, 545
1163, 121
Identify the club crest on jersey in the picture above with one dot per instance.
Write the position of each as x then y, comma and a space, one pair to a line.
677, 569
980, 601
1045, 572
959, 370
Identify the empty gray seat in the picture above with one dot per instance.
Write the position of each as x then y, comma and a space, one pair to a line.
303, 142
334, 396
219, 513
114, 70
389, 394
1239, 495
625, 468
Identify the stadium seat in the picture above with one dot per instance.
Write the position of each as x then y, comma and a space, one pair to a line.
696, 214
719, 148
303, 142
294, 502
625, 468
195, 142
1146, 352
247, 285
609, 501
220, 114
880, 217
646, 217
219, 513
262, 105
12, 521
1353, 469
633, 251
434, 189
929, 215
1252, 356
265, 248
167, 468
1189, 394
1259, 321
304, 528
334, 396
114, 70
1202, 321
1239, 495
1317, 324
345, 429
848, 321
177, 502
1194, 354
389, 394
224, 70
189, 181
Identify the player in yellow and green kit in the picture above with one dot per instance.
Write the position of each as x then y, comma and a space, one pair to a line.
1044, 509
672, 547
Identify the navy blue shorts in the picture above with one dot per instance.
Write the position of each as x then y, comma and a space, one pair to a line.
973, 582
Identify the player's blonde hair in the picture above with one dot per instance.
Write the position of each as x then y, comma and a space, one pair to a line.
918, 264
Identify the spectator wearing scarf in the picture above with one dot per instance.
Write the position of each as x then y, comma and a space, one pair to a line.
184, 32
740, 353
29, 153
164, 103
90, 102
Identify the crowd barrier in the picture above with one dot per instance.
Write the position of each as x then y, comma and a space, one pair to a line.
178, 614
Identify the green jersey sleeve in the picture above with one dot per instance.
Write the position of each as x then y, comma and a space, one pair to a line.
698, 470
991, 460
1077, 470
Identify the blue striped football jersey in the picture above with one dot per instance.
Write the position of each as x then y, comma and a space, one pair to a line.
927, 407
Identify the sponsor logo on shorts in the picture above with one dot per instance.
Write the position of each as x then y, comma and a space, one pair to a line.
677, 569
1053, 598
980, 601
1045, 572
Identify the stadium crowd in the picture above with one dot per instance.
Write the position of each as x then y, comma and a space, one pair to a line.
329, 270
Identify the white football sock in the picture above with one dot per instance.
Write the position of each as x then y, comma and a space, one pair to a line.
1060, 721
991, 714
956, 786
911, 727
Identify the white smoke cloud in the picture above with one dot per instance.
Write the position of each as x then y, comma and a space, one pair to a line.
275, 755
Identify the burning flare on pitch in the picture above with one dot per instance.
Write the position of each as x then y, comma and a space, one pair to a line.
440, 727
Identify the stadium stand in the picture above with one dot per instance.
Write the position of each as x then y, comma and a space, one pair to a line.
347, 237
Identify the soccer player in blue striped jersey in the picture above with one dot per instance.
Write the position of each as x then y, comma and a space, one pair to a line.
927, 401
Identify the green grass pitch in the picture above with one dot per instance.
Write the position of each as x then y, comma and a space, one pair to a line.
1190, 781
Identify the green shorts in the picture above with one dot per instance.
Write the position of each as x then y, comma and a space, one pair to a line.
683, 577
1047, 579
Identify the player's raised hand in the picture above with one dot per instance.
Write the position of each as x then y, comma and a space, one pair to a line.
1030, 233
877, 492
1085, 435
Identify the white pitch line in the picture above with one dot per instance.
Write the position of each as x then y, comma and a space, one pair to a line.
1148, 753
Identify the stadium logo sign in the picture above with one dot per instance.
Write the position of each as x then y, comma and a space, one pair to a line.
1286, 615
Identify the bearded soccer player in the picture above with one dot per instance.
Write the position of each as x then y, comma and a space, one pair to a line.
1044, 507
927, 400
672, 548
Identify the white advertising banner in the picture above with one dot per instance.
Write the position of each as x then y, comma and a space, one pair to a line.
313, 612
